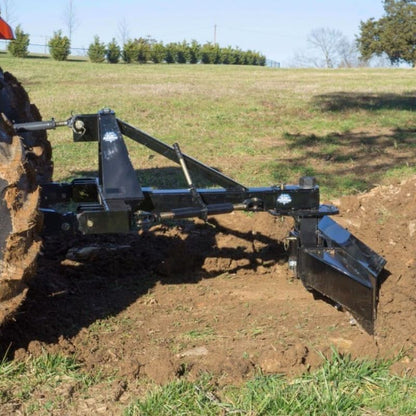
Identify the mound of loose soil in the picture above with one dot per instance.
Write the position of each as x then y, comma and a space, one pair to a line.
386, 219
180, 301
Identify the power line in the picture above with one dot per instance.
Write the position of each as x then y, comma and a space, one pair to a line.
270, 32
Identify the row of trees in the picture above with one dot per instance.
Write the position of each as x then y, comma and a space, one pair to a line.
392, 36
143, 50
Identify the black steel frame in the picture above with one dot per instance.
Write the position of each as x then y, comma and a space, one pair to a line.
325, 256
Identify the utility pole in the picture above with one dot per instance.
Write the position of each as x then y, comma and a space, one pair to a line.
215, 34
70, 19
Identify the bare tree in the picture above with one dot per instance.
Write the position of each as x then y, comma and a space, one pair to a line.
70, 18
349, 56
302, 60
328, 43
328, 48
7, 11
123, 31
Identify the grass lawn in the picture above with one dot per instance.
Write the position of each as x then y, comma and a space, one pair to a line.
351, 128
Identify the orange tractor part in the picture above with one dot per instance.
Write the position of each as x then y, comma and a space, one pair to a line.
6, 31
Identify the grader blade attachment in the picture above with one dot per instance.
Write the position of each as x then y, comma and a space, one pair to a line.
325, 256
343, 269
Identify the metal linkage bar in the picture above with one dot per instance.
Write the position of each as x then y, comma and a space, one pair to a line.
196, 197
290, 200
39, 125
169, 152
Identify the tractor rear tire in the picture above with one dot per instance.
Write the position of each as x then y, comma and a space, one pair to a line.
15, 105
20, 223
25, 162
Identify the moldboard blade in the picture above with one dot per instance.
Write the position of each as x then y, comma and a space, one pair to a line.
345, 270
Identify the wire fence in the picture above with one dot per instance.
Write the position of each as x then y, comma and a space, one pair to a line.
43, 48
272, 64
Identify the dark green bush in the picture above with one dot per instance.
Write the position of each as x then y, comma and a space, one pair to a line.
59, 46
194, 50
157, 52
96, 51
143, 49
170, 53
181, 52
19, 46
113, 52
130, 52
210, 53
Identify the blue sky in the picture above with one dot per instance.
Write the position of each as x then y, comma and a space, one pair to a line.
276, 28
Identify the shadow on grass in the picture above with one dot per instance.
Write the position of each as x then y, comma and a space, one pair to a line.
66, 296
348, 162
77, 59
170, 177
30, 56
343, 101
46, 57
39, 57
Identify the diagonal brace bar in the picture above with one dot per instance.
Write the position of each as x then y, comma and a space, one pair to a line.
167, 151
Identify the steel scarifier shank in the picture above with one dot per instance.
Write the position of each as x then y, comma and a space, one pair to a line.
327, 258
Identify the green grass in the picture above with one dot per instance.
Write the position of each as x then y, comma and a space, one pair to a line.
40, 383
201, 335
260, 126
341, 386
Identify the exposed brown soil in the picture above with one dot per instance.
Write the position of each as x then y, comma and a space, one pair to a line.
386, 219
180, 301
